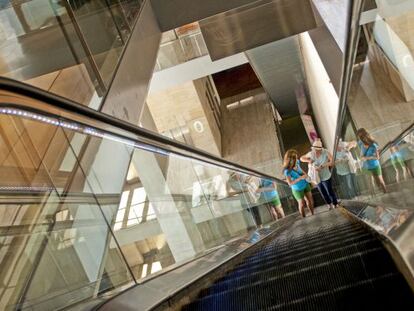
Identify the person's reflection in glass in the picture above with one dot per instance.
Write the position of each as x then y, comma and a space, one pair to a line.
346, 169
406, 147
242, 185
270, 196
370, 157
390, 218
398, 163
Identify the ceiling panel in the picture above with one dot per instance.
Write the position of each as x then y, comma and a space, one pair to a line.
279, 68
256, 24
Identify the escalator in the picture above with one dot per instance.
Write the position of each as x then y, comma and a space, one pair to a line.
325, 262
72, 173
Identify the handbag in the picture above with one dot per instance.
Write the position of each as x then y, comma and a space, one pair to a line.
352, 163
313, 174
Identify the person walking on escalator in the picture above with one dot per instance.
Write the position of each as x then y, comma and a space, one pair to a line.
270, 197
320, 160
297, 181
370, 157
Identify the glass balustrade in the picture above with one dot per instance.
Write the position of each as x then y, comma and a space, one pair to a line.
88, 209
375, 151
70, 48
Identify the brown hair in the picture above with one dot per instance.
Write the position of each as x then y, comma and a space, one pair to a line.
365, 137
290, 158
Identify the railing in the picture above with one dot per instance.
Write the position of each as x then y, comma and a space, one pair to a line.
181, 50
376, 186
115, 203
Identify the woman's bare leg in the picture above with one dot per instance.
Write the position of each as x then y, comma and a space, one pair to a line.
279, 211
380, 182
309, 201
273, 212
301, 206
397, 175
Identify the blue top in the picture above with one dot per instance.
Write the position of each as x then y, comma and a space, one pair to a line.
370, 151
295, 174
268, 195
396, 155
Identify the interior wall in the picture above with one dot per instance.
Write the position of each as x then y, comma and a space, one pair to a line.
201, 88
236, 80
181, 109
71, 82
324, 100
249, 134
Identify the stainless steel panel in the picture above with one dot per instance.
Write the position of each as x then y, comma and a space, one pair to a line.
330, 54
278, 67
175, 13
128, 91
334, 14
256, 24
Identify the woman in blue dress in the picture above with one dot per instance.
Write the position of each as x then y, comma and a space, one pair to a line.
370, 157
297, 181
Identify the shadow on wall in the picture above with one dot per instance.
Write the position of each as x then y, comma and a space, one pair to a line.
294, 135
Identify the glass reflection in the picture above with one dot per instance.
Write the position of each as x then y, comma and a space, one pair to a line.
180, 45
385, 220
376, 133
85, 40
86, 212
55, 249
346, 169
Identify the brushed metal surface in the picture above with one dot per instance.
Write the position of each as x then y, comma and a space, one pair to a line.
256, 24
175, 13
334, 14
278, 67
330, 54
128, 91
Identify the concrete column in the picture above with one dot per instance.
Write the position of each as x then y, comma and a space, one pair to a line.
128, 91
174, 218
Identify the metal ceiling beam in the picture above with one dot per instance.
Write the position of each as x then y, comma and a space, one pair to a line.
175, 13
256, 24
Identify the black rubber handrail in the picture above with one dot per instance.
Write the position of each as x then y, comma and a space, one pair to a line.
20, 88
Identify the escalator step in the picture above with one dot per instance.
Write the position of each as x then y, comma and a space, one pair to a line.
291, 265
290, 285
302, 242
291, 255
342, 266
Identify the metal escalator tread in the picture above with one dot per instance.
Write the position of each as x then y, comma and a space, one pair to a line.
312, 266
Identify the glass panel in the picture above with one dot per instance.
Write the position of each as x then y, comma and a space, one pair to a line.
382, 92
374, 159
92, 211
380, 107
57, 248
180, 45
85, 39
